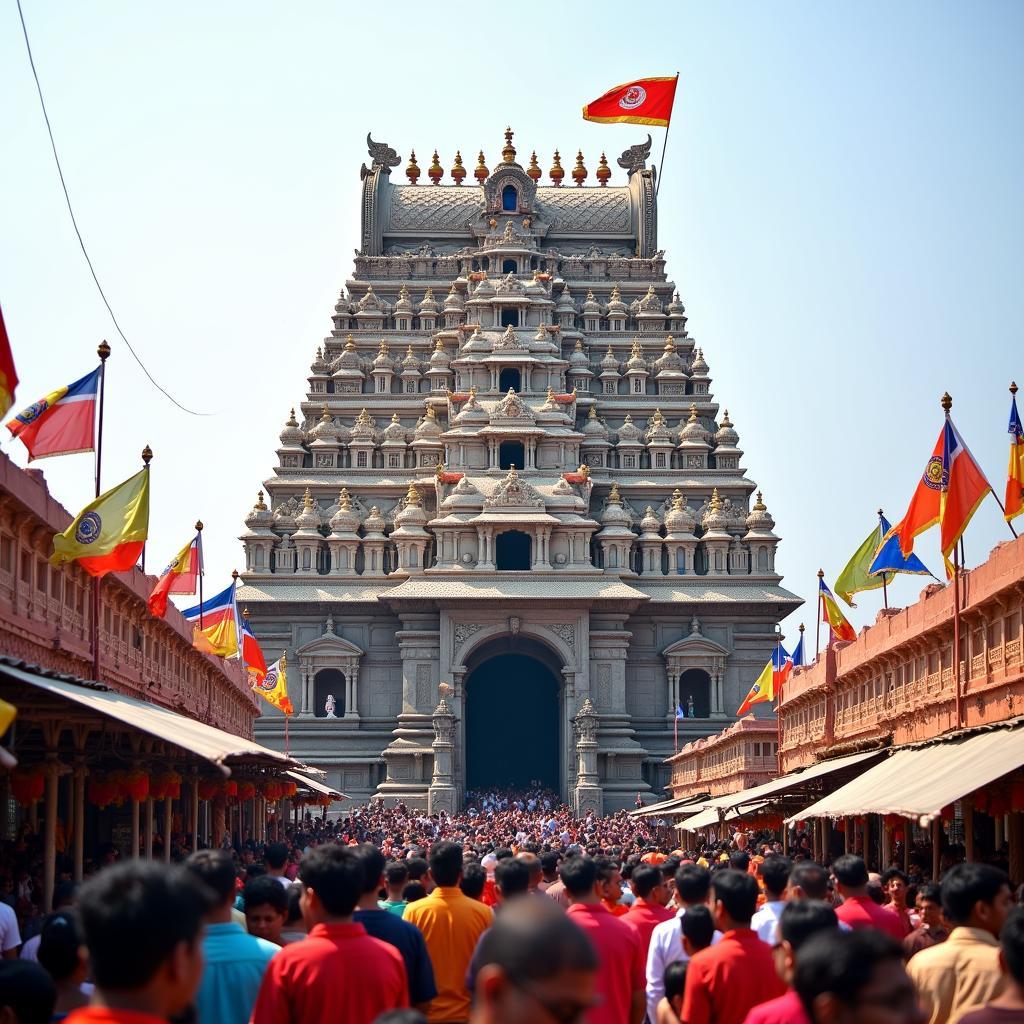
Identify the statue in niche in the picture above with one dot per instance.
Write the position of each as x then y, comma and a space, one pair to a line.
689, 707
329, 706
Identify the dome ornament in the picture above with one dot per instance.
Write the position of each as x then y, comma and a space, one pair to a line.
412, 170
480, 172
533, 171
508, 152
435, 172
579, 172
458, 171
557, 172
604, 172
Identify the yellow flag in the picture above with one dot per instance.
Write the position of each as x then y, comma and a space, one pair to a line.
7, 715
109, 533
273, 687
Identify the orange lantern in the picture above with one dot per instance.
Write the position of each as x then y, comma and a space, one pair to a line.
246, 790
289, 789
27, 786
209, 789
136, 784
271, 791
230, 788
165, 785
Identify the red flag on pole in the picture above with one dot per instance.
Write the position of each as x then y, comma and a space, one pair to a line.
645, 101
8, 374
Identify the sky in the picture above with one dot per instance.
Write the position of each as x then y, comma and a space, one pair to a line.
840, 207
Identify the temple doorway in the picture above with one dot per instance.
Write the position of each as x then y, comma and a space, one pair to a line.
512, 723
512, 551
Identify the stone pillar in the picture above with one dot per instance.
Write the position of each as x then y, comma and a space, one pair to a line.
587, 795
352, 690
442, 795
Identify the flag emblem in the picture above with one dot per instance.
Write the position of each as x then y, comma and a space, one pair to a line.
33, 412
269, 681
634, 97
936, 476
89, 528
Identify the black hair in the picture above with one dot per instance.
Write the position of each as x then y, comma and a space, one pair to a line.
532, 940
266, 891
693, 883
396, 872
738, 894
335, 874
841, 963
739, 860
963, 885
216, 870
811, 877
417, 868
698, 926
675, 979
512, 877
850, 870
775, 872
645, 880
578, 875
891, 873
414, 891
930, 891
294, 894
446, 863
549, 861
28, 990
474, 878
606, 868
133, 917
276, 855
373, 862
59, 942
1011, 939
503, 852
64, 894
803, 918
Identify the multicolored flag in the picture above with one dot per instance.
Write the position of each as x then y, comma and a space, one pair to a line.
798, 653
857, 574
782, 665
272, 686
645, 101
831, 613
252, 656
8, 374
221, 627
762, 690
62, 422
925, 504
964, 487
1014, 504
890, 560
108, 535
181, 576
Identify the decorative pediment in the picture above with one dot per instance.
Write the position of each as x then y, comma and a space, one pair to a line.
329, 646
508, 340
509, 174
511, 407
514, 492
695, 645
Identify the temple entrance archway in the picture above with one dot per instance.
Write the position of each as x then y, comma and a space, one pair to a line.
512, 551
512, 721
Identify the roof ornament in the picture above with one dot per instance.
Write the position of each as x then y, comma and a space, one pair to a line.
604, 172
508, 152
635, 158
557, 172
458, 171
412, 170
435, 172
534, 171
382, 158
480, 172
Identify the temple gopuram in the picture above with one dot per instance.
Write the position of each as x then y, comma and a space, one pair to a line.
508, 531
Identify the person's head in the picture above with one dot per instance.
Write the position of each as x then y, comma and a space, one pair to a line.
64, 895
675, 985
512, 878
579, 876
855, 977
735, 899
928, 903
549, 864
373, 862
535, 967
216, 870
446, 863
739, 860
474, 878
266, 908
976, 896
414, 891
60, 949
533, 867
396, 874
775, 871
693, 883
418, 869
851, 875
1011, 949
294, 921
647, 884
27, 993
798, 922
276, 857
332, 882
698, 929
809, 881
894, 883
609, 879
141, 923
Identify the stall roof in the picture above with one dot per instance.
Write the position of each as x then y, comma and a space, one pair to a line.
667, 807
218, 747
317, 787
707, 818
917, 782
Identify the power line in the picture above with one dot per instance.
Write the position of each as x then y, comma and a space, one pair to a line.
74, 222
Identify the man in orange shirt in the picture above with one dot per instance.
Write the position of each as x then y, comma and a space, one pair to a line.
609, 884
451, 923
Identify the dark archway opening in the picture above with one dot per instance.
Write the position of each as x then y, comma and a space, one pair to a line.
510, 318
511, 724
510, 378
512, 550
509, 266
511, 453
509, 199
695, 684
329, 682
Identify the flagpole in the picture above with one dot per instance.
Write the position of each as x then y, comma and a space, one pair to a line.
147, 458
885, 586
1002, 507
103, 351
199, 552
956, 636
778, 701
817, 626
664, 145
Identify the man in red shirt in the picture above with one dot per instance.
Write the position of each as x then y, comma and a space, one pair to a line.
649, 910
339, 974
726, 981
141, 923
858, 909
894, 882
621, 975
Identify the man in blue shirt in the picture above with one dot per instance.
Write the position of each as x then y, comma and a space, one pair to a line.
235, 960
384, 925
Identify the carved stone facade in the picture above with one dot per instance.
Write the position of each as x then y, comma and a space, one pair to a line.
509, 446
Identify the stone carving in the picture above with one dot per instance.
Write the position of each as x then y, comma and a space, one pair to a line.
635, 158
462, 632
514, 492
329, 706
422, 686
566, 631
511, 407
381, 154
604, 686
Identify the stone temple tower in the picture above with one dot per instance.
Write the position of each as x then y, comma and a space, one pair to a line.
508, 478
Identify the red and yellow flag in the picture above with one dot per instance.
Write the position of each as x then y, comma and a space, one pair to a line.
833, 615
1014, 504
645, 101
180, 577
8, 374
272, 686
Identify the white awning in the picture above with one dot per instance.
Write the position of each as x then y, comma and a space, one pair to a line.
706, 819
917, 782
316, 787
667, 808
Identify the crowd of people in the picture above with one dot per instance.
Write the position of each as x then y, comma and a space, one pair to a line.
514, 911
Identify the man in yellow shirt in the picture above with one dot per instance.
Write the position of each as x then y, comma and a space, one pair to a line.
451, 923
963, 972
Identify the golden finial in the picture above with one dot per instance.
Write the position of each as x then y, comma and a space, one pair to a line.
670, 344
534, 170
382, 348
412, 496
579, 172
693, 414
307, 501
480, 172
431, 415
551, 394
715, 503
592, 415
801, 627
147, 455
821, 574
759, 505
435, 172
440, 467
637, 350
947, 402
344, 501
677, 499
613, 497
325, 416
409, 353
557, 173
350, 344
103, 351
726, 422
458, 171
472, 391
579, 345
260, 506
291, 421
234, 574
412, 170
604, 172
1013, 387
394, 417
508, 152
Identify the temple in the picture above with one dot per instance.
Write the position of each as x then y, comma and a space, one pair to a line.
508, 533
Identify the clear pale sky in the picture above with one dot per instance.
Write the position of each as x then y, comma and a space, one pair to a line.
841, 210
